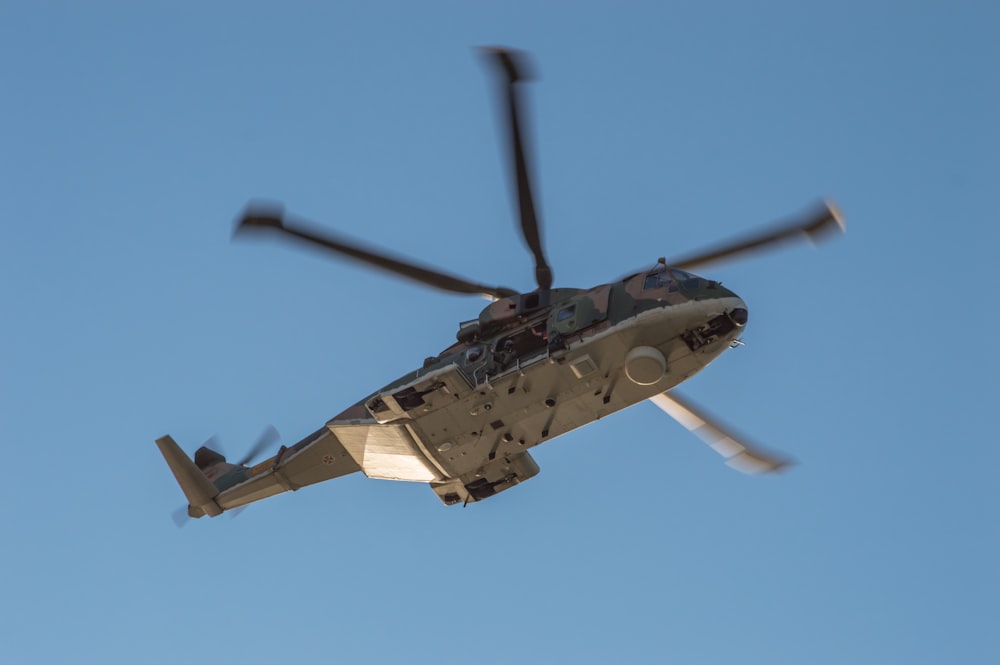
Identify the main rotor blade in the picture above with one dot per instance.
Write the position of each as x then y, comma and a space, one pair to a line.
814, 226
739, 454
258, 218
512, 65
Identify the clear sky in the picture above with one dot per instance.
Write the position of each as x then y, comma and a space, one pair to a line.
131, 135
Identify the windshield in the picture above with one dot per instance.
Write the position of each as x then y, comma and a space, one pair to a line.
670, 278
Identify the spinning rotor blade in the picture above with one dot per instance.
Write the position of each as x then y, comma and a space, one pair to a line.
512, 65
180, 517
258, 218
268, 438
815, 226
739, 454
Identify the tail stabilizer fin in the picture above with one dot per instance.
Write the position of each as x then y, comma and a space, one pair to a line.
198, 489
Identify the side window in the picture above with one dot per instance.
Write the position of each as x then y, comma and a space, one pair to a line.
566, 313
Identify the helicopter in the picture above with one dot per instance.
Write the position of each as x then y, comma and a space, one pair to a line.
531, 367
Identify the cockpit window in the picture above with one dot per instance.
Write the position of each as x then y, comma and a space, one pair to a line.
686, 279
661, 278
656, 280
670, 278
566, 313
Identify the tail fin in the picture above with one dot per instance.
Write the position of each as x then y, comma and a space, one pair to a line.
192, 476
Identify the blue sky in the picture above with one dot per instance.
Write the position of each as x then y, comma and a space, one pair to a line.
132, 135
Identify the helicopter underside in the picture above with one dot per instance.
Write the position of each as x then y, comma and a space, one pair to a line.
469, 436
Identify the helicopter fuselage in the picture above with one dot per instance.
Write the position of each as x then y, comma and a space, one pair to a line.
530, 368
522, 375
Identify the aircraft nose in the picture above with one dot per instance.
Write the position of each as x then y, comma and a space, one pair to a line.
740, 315
736, 309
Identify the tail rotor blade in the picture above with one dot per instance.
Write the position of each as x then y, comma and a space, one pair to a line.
181, 517
267, 439
213, 443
